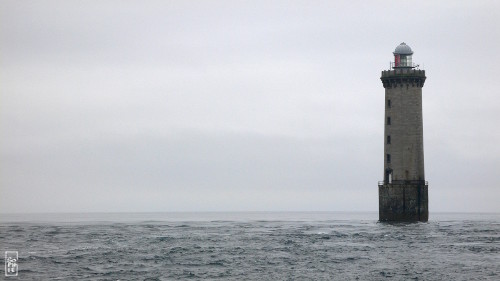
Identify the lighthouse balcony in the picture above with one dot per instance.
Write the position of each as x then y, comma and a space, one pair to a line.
395, 65
403, 72
403, 76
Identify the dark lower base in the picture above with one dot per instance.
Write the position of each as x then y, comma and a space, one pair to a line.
403, 202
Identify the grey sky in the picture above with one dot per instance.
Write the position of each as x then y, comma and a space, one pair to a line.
238, 105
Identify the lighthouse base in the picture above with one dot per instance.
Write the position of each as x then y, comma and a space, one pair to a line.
403, 202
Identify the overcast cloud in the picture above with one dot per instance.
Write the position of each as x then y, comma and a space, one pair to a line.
239, 105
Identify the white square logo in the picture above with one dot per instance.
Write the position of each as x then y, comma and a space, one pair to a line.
11, 266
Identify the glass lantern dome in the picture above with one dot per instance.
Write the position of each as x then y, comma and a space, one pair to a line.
402, 56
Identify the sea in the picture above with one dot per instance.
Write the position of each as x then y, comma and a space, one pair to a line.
250, 246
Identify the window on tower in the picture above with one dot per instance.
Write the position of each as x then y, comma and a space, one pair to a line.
388, 120
388, 139
389, 103
388, 158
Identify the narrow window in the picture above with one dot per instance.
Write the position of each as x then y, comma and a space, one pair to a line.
388, 120
388, 176
388, 139
388, 158
389, 103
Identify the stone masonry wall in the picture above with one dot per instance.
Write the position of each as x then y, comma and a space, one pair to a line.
403, 202
404, 195
406, 148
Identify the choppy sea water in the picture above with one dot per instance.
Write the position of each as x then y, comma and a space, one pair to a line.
251, 246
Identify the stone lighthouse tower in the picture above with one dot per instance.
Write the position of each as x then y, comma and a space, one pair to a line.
403, 192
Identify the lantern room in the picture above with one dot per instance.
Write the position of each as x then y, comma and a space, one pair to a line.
402, 56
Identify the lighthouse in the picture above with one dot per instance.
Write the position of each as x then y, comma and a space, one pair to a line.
403, 193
